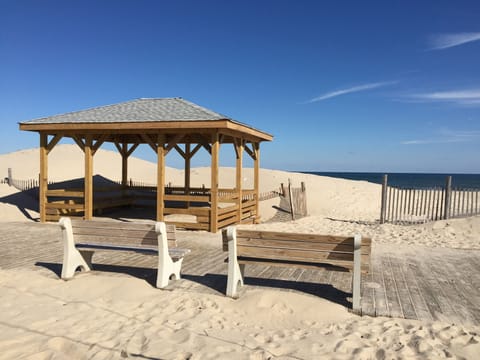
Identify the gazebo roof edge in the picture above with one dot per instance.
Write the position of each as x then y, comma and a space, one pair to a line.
142, 110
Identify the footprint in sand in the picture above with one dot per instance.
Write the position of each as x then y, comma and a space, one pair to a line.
263, 338
67, 348
180, 336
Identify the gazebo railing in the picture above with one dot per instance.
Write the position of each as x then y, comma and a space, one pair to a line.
195, 201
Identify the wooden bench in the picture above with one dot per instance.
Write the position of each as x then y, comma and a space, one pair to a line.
295, 250
81, 238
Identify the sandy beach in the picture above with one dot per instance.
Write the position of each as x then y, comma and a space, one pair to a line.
97, 316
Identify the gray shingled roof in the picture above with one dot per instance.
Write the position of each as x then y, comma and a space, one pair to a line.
140, 110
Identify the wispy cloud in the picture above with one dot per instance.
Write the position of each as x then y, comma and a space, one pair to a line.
349, 90
462, 97
445, 41
447, 136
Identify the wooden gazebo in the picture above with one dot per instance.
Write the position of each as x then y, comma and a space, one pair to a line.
163, 124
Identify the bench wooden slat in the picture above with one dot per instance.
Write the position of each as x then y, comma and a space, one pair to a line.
295, 255
298, 237
150, 233
119, 233
113, 225
294, 244
332, 265
104, 246
128, 239
338, 265
121, 237
174, 253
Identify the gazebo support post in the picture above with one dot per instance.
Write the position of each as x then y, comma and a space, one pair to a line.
256, 179
125, 153
88, 185
160, 176
238, 182
188, 158
124, 164
43, 186
214, 184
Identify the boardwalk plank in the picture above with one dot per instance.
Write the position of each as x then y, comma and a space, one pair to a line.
419, 303
379, 293
368, 293
403, 291
394, 305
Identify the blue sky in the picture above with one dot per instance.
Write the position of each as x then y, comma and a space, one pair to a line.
388, 86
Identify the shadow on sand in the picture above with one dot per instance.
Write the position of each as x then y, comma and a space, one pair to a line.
218, 282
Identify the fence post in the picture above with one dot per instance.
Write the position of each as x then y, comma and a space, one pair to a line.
304, 199
9, 176
448, 196
383, 209
290, 195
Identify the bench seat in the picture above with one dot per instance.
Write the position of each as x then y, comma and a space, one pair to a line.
82, 238
311, 251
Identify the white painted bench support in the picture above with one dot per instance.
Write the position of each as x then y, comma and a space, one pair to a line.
235, 271
169, 260
72, 257
167, 267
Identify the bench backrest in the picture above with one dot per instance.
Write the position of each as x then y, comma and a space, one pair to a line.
119, 233
306, 248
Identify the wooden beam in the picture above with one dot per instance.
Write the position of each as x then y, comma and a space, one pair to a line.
249, 151
238, 181
79, 142
180, 151
124, 170
256, 179
172, 143
195, 149
205, 143
160, 147
187, 158
149, 141
154, 126
125, 152
132, 148
119, 147
43, 186
99, 143
214, 184
53, 142
88, 200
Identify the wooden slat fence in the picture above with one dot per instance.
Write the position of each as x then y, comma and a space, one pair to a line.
294, 200
30, 186
412, 206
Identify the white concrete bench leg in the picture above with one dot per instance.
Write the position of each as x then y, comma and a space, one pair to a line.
235, 271
166, 266
72, 258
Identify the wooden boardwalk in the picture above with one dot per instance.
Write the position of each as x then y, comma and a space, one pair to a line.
405, 281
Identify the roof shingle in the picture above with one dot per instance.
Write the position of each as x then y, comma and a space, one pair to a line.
139, 110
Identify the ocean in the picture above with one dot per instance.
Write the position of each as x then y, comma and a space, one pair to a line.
409, 180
